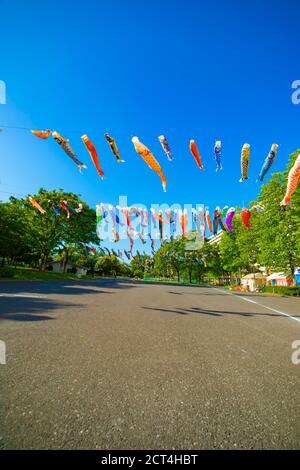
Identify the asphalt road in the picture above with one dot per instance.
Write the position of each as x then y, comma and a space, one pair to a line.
113, 364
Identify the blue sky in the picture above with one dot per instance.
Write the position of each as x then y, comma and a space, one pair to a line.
185, 69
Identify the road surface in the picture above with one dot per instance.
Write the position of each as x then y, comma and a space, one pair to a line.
116, 364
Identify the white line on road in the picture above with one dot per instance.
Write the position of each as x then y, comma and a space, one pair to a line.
261, 305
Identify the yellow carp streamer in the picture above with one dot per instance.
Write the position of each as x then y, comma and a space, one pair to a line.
245, 157
42, 134
114, 148
149, 158
36, 205
293, 180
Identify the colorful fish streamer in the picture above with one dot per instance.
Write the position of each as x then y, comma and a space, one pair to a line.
292, 183
245, 158
93, 154
183, 222
65, 208
114, 148
229, 218
55, 209
208, 220
165, 146
64, 143
195, 152
36, 205
42, 134
218, 155
149, 158
268, 162
245, 217
218, 220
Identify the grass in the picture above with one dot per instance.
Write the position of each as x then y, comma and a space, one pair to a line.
27, 274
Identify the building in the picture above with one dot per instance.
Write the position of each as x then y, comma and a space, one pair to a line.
251, 282
215, 238
280, 279
70, 268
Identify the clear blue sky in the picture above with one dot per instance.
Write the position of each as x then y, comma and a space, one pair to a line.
186, 69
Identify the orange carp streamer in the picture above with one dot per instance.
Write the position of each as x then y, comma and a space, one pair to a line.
36, 205
149, 158
195, 152
42, 134
208, 220
245, 216
93, 154
293, 179
183, 222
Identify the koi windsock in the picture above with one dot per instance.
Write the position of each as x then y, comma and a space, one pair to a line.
41, 134
208, 220
93, 154
195, 152
165, 146
268, 162
224, 211
218, 155
245, 216
64, 143
65, 207
245, 157
293, 179
36, 205
183, 222
149, 158
229, 218
114, 148
56, 211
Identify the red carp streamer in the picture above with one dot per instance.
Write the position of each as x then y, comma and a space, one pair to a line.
195, 152
93, 154
42, 134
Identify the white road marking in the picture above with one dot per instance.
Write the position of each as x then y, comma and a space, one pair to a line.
261, 305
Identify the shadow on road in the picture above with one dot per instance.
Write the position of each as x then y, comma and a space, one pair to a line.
214, 313
29, 309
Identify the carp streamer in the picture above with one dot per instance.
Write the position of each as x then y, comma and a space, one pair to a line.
293, 180
149, 158
64, 143
217, 151
245, 157
195, 152
93, 154
229, 218
268, 162
165, 146
114, 148
36, 205
245, 216
42, 134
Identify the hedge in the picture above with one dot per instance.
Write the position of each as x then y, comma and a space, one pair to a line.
283, 290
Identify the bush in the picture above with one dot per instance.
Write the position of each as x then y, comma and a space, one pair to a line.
284, 290
7, 272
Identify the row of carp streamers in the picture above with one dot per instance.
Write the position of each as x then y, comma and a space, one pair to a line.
222, 220
153, 164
